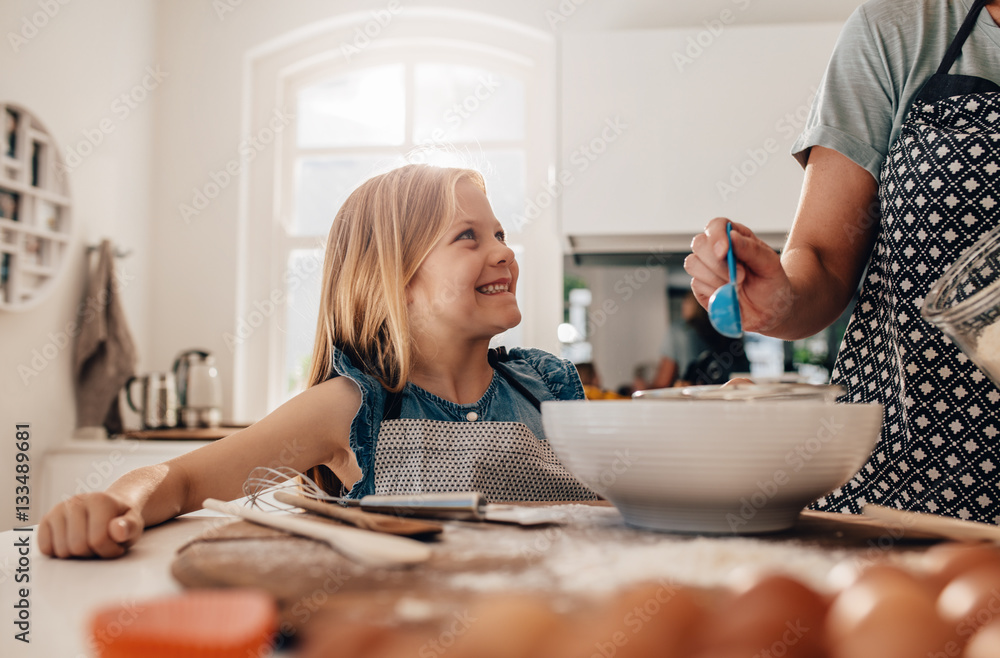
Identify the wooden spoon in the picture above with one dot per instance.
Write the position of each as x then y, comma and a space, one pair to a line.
935, 524
363, 546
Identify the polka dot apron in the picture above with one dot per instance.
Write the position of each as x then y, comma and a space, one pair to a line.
938, 451
504, 461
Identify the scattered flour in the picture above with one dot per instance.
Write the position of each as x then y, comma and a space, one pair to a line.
593, 553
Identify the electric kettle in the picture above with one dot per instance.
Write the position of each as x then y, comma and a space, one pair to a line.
199, 390
158, 404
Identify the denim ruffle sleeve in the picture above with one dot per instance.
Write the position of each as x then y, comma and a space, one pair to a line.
366, 422
545, 375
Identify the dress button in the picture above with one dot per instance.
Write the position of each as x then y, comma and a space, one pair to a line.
472, 416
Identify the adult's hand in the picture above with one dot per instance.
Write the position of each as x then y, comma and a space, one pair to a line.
809, 286
763, 288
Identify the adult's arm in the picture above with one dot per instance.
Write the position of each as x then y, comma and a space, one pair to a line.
805, 289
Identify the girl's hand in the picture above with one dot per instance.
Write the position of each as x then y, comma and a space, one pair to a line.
89, 525
763, 288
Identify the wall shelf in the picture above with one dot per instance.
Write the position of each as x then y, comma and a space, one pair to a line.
35, 210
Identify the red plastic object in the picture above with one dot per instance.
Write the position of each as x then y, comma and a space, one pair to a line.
209, 623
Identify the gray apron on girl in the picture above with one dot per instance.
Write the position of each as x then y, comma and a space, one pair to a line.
938, 451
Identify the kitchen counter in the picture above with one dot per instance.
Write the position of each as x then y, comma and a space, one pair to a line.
78, 466
590, 553
63, 594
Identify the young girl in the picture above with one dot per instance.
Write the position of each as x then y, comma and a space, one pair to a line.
405, 395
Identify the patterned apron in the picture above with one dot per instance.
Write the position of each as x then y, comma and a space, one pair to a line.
938, 451
504, 461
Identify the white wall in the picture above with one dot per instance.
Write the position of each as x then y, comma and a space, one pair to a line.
183, 293
199, 130
69, 73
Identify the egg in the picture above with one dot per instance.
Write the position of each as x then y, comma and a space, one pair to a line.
886, 575
985, 643
397, 643
971, 599
944, 562
342, 639
644, 620
777, 615
499, 626
887, 613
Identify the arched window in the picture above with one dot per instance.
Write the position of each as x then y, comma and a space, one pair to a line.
413, 92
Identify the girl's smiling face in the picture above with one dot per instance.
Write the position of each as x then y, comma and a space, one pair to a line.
465, 287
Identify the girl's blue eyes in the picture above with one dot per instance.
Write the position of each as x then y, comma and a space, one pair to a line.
470, 234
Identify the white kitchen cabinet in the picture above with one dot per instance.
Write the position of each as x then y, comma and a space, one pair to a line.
86, 466
662, 130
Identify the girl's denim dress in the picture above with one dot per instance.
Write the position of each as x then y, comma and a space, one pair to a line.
415, 442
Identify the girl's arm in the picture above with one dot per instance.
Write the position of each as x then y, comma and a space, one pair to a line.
809, 285
312, 428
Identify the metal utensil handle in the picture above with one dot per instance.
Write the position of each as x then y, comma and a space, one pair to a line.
730, 257
462, 505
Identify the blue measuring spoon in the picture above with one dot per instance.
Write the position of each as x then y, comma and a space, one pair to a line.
724, 305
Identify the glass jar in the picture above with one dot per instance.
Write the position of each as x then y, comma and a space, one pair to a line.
965, 303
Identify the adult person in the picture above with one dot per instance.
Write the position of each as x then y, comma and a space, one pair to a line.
901, 172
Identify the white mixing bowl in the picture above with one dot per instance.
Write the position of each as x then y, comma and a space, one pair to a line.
712, 466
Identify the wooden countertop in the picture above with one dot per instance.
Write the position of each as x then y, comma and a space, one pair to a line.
589, 554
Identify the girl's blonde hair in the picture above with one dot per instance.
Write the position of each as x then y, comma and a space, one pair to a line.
378, 240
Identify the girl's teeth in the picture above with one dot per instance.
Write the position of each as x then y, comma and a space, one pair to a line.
489, 290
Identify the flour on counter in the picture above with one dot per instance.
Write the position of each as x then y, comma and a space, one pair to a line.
593, 553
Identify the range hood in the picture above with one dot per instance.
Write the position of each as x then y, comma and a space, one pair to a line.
642, 249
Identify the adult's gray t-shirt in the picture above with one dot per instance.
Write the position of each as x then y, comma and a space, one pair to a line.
883, 56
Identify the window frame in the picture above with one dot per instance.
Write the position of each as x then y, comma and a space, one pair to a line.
275, 71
